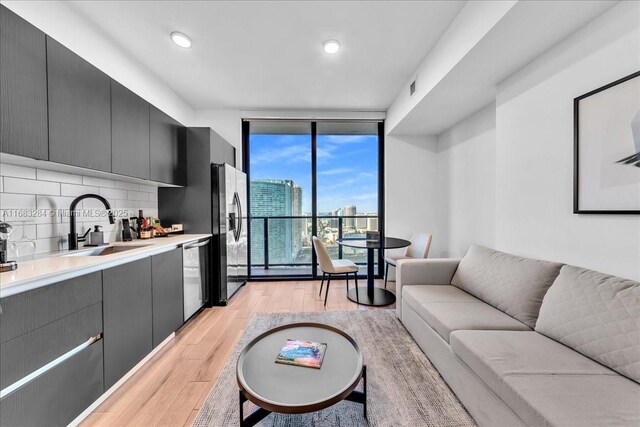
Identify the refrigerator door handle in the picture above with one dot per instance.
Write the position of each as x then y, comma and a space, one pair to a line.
237, 198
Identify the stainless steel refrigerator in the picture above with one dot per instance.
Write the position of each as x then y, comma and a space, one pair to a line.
229, 216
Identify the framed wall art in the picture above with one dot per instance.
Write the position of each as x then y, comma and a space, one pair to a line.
607, 149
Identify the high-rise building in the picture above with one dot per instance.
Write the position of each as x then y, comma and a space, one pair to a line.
333, 222
349, 211
298, 224
272, 198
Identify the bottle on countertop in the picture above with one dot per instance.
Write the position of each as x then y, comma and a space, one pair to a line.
140, 224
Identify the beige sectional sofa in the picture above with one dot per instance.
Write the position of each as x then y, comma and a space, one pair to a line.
527, 342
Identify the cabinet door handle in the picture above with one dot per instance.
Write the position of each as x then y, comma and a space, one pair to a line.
196, 245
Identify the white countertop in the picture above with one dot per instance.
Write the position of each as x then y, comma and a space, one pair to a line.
61, 266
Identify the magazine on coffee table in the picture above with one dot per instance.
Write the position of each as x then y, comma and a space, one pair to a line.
302, 353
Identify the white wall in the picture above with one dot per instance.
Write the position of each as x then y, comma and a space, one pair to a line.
410, 189
470, 26
535, 150
504, 175
467, 182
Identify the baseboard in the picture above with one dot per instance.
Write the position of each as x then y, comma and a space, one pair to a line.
122, 380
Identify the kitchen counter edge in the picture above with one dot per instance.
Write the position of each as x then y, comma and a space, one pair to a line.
60, 266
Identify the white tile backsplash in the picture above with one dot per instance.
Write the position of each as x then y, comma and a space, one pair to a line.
53, 244
54, 202
43, 198
20, 231
137, 195
128, 186
17, 171
148, 189
44, 175
30, 186
113, 193
76, 190
17, 201
98, 182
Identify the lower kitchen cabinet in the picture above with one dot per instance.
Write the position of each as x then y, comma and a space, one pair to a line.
128, 322
59, 395
30, 310
55, 322
166, 272
25, 354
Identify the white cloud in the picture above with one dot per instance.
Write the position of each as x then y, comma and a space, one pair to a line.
336, 171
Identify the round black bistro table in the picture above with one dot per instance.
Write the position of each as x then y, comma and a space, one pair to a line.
372, 295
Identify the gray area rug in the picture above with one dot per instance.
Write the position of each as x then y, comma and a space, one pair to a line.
403, 388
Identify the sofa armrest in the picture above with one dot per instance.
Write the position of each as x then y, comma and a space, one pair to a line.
433, 271
430, 271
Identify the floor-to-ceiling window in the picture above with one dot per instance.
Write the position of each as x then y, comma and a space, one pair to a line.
308, 178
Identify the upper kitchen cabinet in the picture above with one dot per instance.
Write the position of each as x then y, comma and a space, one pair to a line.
167, 155
79, 110
129, 132
23, 87
221, 150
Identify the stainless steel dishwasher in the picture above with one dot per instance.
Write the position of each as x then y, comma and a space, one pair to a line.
195, 273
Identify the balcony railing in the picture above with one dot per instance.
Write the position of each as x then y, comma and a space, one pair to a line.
284, 243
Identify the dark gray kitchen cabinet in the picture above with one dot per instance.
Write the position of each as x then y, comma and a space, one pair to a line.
127, 317
59, 395
27, 311
23, 355
166, 273
167, 156
129, 132
221, 150
79, 97
23, 88
63, 322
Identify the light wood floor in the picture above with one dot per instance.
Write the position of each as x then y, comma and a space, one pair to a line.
172, 386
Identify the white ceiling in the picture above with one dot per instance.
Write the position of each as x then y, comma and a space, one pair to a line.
268, 55
529, 29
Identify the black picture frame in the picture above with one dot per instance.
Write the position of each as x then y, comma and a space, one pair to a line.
576, 151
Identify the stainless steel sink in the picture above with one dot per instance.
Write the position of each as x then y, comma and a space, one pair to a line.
105, 250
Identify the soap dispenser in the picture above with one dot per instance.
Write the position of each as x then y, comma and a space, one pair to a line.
96, 237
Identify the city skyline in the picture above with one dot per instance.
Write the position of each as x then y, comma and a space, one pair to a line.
289, 240
347, 167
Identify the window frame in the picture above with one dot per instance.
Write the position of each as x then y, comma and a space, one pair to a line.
246, 167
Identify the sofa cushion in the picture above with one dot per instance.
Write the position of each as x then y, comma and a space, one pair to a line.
510, 283
446, 317
493, 355
436, 293
597, 315
525, 368
574, 400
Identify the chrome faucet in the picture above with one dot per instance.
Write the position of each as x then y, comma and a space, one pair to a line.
73, 236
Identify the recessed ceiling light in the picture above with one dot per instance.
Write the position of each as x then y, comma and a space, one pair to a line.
331, 46
181, 39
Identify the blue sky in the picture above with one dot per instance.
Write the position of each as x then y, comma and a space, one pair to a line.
347, 167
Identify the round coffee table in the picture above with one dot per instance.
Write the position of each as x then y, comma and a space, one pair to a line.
289, 389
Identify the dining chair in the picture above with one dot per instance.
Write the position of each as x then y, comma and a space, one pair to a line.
419, 248
331, 267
